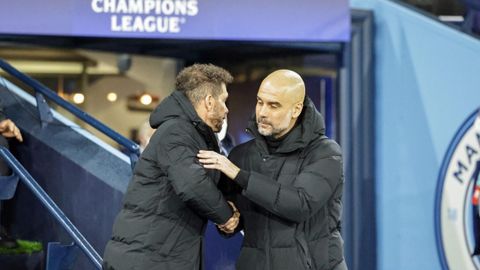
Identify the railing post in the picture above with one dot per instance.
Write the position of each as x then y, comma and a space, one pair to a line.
60, 257
133, 158
36, 189
44, 111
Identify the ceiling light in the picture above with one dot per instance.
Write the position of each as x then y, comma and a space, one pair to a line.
146, 99
78, 98
112, 97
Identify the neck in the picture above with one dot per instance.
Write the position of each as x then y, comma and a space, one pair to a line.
201, 112
273, 142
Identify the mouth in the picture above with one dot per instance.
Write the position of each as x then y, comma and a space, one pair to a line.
263, 125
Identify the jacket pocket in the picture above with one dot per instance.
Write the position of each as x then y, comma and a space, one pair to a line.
165, 232
304, 252
319, 251
172, 238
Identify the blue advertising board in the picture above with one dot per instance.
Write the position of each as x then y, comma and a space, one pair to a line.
266, 20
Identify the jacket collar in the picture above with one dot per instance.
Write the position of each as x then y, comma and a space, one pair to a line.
177, 105
310, 125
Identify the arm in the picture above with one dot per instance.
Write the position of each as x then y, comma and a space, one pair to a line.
8, 129
313, 186
230, 190
190, 181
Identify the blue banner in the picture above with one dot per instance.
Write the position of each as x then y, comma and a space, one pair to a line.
266, 20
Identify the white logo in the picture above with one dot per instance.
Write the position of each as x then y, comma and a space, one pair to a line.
457, 216
149, 16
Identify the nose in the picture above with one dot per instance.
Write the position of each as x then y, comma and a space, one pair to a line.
262, 110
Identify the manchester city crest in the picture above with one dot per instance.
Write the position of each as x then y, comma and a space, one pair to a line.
457, 206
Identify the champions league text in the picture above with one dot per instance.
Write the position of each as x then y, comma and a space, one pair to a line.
160, 16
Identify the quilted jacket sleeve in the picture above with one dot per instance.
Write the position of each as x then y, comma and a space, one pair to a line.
190, 181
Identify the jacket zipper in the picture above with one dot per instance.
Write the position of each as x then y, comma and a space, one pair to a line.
264, 159
268, 240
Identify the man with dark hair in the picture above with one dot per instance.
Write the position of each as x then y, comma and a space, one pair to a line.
171, 196
8, 129
288, 183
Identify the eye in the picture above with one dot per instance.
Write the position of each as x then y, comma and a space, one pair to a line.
275, 106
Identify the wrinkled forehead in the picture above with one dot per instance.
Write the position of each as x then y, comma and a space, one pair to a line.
270, 92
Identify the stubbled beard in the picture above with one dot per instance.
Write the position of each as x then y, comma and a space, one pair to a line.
217, 120
265, 132
218, 126
274, 131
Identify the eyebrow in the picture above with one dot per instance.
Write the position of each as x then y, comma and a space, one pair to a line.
269, 102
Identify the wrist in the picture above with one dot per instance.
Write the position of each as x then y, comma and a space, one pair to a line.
242, 178
235, 173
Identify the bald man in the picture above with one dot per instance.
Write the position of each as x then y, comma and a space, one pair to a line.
287, 182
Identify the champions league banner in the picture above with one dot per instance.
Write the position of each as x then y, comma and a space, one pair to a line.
266, 20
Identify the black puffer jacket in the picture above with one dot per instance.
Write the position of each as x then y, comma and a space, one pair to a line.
291, 199
170, 197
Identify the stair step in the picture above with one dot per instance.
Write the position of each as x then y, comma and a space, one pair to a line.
34, 261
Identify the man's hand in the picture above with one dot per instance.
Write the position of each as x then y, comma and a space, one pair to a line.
8, 129
232, 223
214, 160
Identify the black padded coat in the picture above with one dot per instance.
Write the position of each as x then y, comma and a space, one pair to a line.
291, 199
170, 197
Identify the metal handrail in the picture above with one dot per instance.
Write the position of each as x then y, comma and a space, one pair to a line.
43, 90
37, 190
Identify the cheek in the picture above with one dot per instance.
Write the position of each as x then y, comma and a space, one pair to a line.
279, 118
274, 119
220, 110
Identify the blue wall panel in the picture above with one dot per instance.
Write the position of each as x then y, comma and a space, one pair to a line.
427, 84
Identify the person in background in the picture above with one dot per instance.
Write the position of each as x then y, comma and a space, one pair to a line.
145, 132
171, 196
8, 130
471, 23
287, 182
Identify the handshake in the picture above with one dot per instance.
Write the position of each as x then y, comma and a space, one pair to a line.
232, 223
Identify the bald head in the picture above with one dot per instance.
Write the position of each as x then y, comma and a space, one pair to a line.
279, 102
286, 83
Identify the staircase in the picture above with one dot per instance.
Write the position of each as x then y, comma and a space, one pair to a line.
68, 185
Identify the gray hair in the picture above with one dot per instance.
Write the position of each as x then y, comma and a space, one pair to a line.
199, 80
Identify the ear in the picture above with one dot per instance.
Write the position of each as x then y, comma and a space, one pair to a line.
209, 103
297, 110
